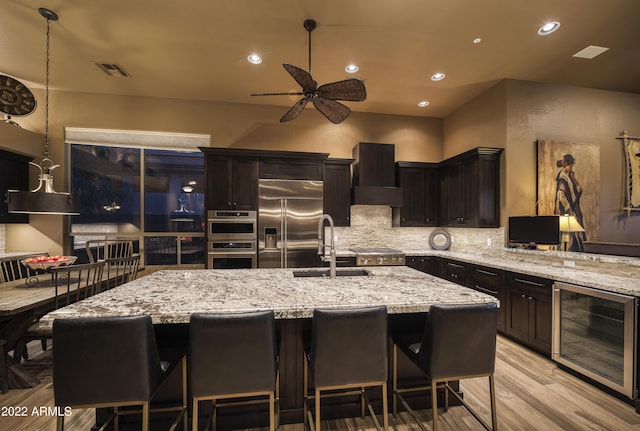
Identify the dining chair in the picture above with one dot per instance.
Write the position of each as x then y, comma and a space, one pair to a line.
458, 342
72, 283
13, 269
121, 270
348, 352
103, 249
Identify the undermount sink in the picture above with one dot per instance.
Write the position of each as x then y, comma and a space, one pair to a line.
350, 272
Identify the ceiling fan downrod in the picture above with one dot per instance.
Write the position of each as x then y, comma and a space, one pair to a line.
310, 25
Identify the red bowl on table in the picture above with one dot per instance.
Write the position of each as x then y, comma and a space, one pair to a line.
46, 262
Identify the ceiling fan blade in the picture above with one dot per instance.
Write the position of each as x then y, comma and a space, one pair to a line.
302, 77
294, 111
335, 112
296, 93
350, 89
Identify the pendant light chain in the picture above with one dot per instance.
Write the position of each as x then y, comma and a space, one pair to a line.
46, 97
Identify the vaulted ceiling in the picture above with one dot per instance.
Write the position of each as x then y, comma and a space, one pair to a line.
197, 49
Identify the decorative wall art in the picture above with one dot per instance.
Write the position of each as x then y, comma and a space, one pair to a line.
569, 183
631, 184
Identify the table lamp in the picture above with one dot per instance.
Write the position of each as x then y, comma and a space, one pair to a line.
568, 224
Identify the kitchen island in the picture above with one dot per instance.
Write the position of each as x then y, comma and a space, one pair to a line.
171, 296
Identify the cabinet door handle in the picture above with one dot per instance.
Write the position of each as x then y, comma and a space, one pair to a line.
485, 272
490, 292
532, 283
523, 296
530, 298
455, 265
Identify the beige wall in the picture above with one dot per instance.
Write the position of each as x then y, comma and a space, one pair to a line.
510, 115
519, 113
230, 125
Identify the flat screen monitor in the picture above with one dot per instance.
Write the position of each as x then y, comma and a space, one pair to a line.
534, 230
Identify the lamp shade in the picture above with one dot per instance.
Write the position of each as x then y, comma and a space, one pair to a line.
29, 202
568, 223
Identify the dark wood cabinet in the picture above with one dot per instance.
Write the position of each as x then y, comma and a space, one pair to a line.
455, 271
492, 282
337, 190
232, 183
525, 312
14, 175
529, 312
291, 169
427, 264
470, 189
420, 183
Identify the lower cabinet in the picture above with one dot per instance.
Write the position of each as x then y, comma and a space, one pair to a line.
492, 282
529, 312
525, 312
455, 271
426, 264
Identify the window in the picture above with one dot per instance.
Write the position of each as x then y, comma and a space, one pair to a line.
154, 196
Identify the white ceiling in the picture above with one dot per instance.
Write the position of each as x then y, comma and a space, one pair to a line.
197, 49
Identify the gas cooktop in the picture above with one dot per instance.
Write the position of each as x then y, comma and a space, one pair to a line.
378, 256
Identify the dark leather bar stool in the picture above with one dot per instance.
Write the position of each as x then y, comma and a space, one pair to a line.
233, 356
112, 362
459, 342
348, 350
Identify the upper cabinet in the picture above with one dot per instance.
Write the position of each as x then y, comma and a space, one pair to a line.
232, 183
232, 174
14, 175
337, 190
420, 183
470, 189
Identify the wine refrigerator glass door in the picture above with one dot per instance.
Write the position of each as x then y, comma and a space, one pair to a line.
594, 333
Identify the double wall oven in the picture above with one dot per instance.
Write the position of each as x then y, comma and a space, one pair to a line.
231, 239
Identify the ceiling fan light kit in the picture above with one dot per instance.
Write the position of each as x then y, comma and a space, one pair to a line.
325, 97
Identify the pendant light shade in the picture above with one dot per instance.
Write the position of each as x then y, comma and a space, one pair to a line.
44, 199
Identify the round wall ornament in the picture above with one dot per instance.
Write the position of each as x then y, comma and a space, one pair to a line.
440, 239
15, 97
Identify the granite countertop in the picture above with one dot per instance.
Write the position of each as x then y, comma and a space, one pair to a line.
171, 296
609, 273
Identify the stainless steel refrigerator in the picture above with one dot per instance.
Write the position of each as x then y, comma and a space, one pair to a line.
288, 215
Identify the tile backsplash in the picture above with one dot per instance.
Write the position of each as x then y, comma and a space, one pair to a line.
371, 227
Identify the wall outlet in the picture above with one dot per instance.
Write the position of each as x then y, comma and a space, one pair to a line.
570, 263
489, 242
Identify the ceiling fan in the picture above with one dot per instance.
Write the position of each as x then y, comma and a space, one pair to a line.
324, 97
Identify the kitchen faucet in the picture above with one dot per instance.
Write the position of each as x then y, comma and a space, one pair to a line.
322, 245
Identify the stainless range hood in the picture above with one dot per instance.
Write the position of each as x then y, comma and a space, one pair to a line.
374, 178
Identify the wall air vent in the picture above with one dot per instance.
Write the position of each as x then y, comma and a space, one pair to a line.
113, 69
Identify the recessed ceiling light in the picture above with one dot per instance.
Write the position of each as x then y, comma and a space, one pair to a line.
351, 68
548, 28
438, 76
477, 40
423, 104
254, 59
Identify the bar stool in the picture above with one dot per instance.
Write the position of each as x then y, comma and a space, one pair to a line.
112, 362
233, 356
347, 351
459, 342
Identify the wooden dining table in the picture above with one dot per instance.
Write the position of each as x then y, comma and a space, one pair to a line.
22, 302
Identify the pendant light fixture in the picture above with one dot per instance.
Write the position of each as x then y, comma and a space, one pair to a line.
44, 199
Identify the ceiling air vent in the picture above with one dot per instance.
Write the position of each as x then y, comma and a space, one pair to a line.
112, 69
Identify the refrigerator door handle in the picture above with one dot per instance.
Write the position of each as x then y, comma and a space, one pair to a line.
283, 235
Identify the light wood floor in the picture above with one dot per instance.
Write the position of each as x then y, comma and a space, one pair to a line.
532, 394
